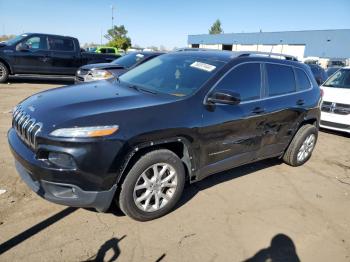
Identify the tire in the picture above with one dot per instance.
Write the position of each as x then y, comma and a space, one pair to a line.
151, 189
4, 73
292, 155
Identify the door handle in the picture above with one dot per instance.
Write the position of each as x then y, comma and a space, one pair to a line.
45, 58
300, 102
258, 110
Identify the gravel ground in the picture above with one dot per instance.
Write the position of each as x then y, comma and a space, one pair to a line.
262, 211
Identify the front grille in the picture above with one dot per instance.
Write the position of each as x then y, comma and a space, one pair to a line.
335, 125
336, 108
27, 128
79, 79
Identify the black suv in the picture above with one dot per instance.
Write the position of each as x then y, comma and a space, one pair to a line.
179, 117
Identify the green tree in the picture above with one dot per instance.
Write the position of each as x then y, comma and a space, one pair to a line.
216, 28
117, 37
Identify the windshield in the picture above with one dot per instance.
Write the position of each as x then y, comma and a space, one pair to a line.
330, 71
173, 74
340, 79
15, 39
129, 60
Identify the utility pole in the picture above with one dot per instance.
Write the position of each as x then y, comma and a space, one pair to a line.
112, 15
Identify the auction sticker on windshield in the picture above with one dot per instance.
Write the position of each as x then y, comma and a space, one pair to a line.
203, 66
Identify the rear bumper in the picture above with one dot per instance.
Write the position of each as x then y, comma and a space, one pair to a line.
67, 194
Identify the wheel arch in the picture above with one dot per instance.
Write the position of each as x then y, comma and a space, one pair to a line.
2, 60
309, 120
180, 145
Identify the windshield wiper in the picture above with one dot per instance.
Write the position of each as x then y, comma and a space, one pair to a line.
148, 91
139, 89
329, 85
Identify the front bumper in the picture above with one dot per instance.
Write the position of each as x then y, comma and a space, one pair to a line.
67, 194
77, 188
335, 122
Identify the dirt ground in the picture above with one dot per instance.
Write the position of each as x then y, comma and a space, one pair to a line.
262, 211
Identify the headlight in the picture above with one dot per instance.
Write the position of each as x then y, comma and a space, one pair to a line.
92, 131
98, 74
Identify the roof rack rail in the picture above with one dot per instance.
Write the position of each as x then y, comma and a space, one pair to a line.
274, 55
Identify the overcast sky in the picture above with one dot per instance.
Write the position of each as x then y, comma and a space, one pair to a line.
168, 22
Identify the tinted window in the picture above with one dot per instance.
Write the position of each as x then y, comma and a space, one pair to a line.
303, 81
244, 80
280, 79
61, 44
111, 51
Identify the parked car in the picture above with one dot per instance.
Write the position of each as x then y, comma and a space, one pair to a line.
108, 50
91, 49
336, 63
117, 67
319, 73
331, 70
44, 54
335, 113
178, 117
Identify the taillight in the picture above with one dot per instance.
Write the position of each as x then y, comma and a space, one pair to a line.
321, 92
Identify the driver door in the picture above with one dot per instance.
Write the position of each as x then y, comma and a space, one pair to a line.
231, 135
32, 56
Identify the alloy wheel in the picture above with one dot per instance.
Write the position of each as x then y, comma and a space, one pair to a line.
155, 187
306, 148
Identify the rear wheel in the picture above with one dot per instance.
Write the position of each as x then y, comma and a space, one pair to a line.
4, 73
302, 146
153, 185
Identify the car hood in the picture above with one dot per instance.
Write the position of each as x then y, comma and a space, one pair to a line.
337, 95
99, 103
102, 66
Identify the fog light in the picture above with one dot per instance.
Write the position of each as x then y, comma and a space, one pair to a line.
62, 160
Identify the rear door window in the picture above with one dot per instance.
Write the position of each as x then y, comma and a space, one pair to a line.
303, 81
245, 80
61, 44
280, 79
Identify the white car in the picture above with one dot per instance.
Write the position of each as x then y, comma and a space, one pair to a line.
335, 110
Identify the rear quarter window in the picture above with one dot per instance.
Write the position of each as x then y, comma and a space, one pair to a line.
303, 81
280, 79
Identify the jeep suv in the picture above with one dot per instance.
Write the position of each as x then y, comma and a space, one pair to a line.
179, 117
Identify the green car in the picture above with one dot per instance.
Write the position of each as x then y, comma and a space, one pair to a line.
108, 50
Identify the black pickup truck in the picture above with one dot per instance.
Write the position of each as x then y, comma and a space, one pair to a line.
44, 54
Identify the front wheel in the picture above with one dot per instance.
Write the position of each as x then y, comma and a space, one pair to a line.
4, 73
153, 185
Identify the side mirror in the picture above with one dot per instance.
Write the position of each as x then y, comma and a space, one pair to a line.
22, 47
224, 97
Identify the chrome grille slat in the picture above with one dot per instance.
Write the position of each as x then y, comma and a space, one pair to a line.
27, 128
336, 108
